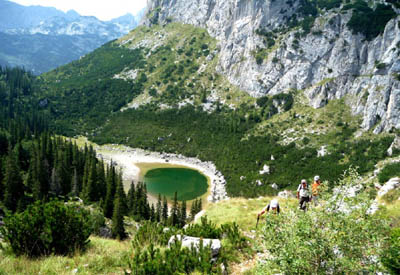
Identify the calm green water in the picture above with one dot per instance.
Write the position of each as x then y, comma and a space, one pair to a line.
189, 183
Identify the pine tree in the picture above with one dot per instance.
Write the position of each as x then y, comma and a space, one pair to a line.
165, 211
64, 171
118, 229
137, 209
1, 179
101, 181
152, 213
131, 198
85, 176
174, 211
111, 187
75, 184
41, 184
89, 191
120, 193
183, 216
145, 203
12, 182
200, 206
55, 186
193, 210
159, 208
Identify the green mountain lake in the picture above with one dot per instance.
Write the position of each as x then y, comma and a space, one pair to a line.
189, 183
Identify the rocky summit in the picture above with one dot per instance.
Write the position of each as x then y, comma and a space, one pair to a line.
271, 47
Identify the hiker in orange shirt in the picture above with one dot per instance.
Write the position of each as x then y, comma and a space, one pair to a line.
314, 188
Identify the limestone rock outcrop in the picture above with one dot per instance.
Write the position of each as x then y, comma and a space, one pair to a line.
214, 244
330, 62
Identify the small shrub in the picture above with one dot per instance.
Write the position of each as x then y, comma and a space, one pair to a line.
173, 260
306, 140
96, 220
43, 229
380, 65
262, 101
207, 229
324, 240
389, 171
259, 59
392, 195
391, 255
367, 21
152, 233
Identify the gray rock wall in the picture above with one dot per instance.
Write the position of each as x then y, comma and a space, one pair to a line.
329, 63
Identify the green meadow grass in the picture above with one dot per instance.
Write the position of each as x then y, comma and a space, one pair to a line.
103, 256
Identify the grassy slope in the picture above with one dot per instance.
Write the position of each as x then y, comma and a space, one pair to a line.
103, 256
190, 48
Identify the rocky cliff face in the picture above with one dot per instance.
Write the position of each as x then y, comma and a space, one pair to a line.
329, 62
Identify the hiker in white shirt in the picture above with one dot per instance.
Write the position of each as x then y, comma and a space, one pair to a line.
303, 194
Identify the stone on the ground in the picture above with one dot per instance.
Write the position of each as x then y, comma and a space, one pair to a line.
393, 183
265, 170
188, 242
105, 232
286, 194
395, 145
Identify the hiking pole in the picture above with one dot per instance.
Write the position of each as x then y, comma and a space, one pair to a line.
258, 218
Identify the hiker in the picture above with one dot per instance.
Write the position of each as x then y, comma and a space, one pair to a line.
303, 194
273, 205
314, 190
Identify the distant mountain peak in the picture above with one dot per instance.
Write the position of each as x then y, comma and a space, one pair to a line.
61, 36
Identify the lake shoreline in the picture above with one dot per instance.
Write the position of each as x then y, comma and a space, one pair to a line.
130, 159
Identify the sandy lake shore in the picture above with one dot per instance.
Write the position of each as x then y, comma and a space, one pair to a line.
129, 160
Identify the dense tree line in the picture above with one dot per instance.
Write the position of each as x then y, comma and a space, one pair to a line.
39, 166
36, 165
223, 137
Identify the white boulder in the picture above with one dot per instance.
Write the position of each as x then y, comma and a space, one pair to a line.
187, 241
390, 185
265, 170
286, 194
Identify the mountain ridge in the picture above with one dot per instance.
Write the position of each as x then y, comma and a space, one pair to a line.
35, 35
321, 54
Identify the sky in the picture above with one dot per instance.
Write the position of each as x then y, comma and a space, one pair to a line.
102, 9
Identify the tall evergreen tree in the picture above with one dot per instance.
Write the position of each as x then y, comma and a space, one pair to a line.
75, 184
183, 215
55, 186
165, 210
118, 229
85, 176
174, 211
89, 191
200, 205
120, 193
193, 209
111, 187
152, 213
41, 184
101, 181
1, 178
158, 208
145, 206
131, 198
12, 182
